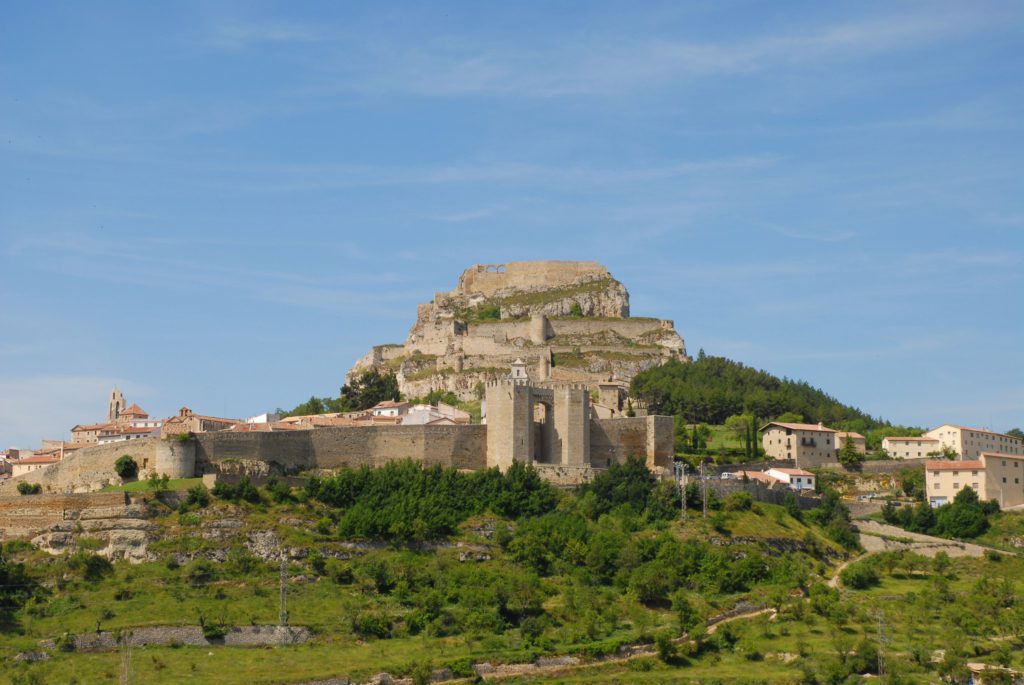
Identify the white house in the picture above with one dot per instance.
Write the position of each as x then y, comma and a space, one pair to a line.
796, 479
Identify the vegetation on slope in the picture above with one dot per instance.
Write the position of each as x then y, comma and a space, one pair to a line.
367, 390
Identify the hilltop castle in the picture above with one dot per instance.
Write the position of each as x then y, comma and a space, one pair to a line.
569, 321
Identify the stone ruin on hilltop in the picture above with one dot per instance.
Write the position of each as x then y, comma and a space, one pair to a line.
569, 321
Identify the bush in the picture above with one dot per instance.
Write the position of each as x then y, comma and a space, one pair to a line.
244, 490
860, 576
29, 488
126, 467
369, 624
93, 566
158, 482
198, 496
200, 572
738, 501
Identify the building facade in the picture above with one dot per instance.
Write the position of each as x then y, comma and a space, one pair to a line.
993, 476
970, 443
909, 447
806, 444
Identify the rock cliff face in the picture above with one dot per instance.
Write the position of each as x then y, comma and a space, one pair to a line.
568, 321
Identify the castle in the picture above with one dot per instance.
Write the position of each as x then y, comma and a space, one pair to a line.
529, 338
569, 321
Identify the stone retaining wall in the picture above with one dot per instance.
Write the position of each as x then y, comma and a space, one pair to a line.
192, 636
25, 515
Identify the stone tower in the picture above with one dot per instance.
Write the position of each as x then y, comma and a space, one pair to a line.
115, 405
555, 432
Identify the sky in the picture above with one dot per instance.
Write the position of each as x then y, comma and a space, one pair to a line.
224, 205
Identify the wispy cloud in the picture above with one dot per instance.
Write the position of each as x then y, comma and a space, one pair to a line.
241, 35
602, 64
815, 235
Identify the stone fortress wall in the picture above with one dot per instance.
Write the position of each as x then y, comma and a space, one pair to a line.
546, 310
288, 452
91, 468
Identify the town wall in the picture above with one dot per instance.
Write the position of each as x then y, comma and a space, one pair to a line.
613, 441
90, 468
463, 447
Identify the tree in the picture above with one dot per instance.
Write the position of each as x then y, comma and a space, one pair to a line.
29, 488
946, 452
790, 417
1016, 432
126, 467
849, 456
368, 389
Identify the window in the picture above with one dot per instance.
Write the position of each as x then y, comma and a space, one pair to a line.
974, 485
1016, 481
974, 473
936, 486
956, 486
955, 473
1004, 479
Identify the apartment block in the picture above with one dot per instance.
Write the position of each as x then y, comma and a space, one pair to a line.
993, 476
970, 443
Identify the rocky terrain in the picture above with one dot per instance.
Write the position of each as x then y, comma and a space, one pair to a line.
569, 321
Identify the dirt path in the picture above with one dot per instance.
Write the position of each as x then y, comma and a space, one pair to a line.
881, 537
749, 614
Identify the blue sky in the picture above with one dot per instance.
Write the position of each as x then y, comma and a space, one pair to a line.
224, 205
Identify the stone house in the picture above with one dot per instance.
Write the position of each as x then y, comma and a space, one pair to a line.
994, 476
805, 444
796, 479
188, 421
860, 443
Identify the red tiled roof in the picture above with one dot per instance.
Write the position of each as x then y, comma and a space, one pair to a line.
946, 465
976, 430
133, 410
91, 427
909, 437
850, 434
390, 404
1002, 455
757, 475
39, 459
801, 426
794, 472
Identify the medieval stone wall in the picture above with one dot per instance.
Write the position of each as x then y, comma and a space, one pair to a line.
90, 468
463, 447
488, 279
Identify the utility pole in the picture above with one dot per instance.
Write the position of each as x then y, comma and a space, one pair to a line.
880, 618
704, 487
282, 614
680, 471
126, 657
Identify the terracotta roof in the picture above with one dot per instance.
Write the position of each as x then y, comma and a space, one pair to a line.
758, 475
390, 404
946, 465
92, 427
801, 427
794, 472
976, 430
850, 434
133, 410
909, 437
1002, 455
39, 459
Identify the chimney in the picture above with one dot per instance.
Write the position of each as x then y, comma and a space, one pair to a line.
821, 426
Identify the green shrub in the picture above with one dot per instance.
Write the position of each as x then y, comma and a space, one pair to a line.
860, 576
126, 467
198, 496
738, 501
370, 624
29, 488
93, 566
200, 572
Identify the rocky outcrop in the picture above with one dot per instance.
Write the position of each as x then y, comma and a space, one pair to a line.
569, 321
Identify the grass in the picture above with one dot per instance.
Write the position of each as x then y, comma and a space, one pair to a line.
143, 485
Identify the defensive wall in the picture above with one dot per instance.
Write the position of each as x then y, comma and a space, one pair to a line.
463, 447
90, 468
489, 279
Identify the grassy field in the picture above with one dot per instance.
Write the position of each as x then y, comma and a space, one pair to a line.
144, 486
972, 607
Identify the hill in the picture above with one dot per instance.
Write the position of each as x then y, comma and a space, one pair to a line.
711, 389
